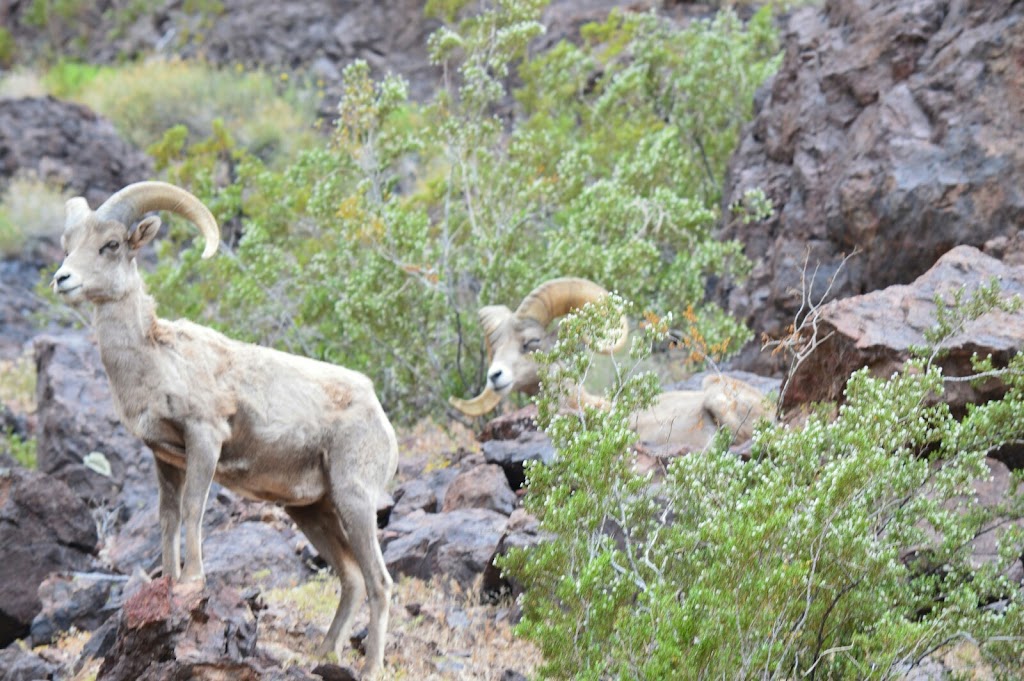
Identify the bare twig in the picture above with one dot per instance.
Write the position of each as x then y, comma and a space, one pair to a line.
804, 334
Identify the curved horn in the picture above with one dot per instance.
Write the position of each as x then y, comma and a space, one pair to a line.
479, 405
75, 210
132, 202
558, 297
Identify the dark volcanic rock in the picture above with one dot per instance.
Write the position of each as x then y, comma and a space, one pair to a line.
76, 417
458, 544
244, 543
892, 129
425, 493
512, 454
44, 528
510, 426
84, 600
522, 531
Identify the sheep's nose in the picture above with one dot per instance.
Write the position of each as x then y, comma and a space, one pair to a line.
494, 376
61, 278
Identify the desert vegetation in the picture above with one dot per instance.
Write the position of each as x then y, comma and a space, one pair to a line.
840, 547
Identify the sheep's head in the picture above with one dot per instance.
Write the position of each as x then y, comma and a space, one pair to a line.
513, 337
100, 246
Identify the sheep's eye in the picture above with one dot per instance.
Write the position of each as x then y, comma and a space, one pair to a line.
111, 246
531, 345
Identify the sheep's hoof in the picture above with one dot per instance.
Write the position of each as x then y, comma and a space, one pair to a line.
192, 577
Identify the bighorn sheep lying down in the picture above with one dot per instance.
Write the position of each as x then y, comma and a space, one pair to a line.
684, 418
305, 434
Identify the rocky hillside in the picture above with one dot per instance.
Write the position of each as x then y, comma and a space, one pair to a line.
889, 144
890, 135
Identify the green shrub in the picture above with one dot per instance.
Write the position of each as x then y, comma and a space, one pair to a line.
68, 79
377, 250
8, 48
840, 550
43, 13
22, 450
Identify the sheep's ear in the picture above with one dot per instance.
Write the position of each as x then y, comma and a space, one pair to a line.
144, 233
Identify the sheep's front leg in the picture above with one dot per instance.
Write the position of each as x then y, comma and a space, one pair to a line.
170, 483
202, 450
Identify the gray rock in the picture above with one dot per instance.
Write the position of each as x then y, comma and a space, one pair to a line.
512, 454
21, 665
414, 495
244, 543
68, 146
84, 600
522, 531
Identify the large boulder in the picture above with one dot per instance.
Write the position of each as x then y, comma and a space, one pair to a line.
877, 330
44, 528
892, 130
67, 145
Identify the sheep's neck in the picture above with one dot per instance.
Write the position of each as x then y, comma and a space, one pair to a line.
124, 335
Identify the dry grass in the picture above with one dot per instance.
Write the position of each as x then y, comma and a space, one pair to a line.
426, 446
21, 82
437, 631
18, 383
145, 99
29, 209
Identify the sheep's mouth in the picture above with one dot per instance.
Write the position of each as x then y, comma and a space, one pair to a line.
65, 291
502, 388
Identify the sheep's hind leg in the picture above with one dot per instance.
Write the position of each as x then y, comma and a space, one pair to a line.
358, 515
320, 526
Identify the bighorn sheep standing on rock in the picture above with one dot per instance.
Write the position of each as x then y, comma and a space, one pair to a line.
682, 418
305, 434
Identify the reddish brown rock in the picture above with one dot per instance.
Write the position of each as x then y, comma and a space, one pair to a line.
876, 330
184, 632
483, 486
